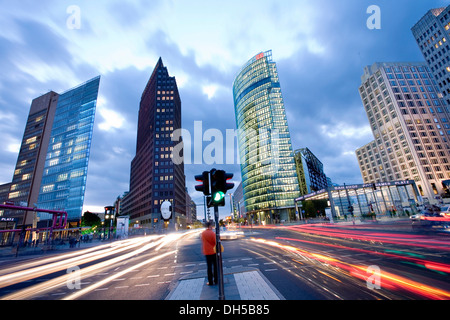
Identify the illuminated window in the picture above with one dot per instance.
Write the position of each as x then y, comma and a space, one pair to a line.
62, 177
48, 188
57, 146
13, 195
31, 140
76, 174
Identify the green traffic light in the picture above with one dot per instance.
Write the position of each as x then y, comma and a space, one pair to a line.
218, 196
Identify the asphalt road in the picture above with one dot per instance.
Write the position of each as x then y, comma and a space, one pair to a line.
309, 262
354, 262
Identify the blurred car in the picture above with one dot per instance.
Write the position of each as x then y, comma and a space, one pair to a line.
432, 218
445, 210
231, 235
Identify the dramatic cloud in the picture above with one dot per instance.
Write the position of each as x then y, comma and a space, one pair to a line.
320, 47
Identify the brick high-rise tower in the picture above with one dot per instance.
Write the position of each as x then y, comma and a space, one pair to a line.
154, 177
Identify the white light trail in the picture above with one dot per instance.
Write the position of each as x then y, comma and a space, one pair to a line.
86, 272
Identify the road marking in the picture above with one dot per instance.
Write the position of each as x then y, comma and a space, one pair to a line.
169, 274
186, 272
142, 285
153, 276
79, 293
121, 287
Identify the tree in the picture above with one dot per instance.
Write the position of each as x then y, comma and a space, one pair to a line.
90, 220
313, 208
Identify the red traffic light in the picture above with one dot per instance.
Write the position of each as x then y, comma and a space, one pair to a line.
229, 185
204, 187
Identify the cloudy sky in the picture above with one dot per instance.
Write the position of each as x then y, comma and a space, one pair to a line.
320, 47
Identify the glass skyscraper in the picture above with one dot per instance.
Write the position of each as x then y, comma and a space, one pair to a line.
311, 176
64, 178
52, 164
268, 169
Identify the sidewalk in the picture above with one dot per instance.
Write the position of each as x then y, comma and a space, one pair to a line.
239, 284
9, 252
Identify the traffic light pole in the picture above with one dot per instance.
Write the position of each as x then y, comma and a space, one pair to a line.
219, 255
214, 186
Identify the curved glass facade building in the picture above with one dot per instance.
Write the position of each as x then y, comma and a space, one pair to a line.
268, 170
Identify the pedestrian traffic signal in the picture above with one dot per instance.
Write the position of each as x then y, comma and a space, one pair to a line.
204, 187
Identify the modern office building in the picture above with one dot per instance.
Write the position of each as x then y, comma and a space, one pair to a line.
268, 170
432, 34
311, 176
239, 202
411, 127
154, 177
191, 209
51, 168
65, 172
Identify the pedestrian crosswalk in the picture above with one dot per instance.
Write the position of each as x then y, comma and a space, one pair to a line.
244, 284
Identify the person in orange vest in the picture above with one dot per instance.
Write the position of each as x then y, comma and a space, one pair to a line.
208, 249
